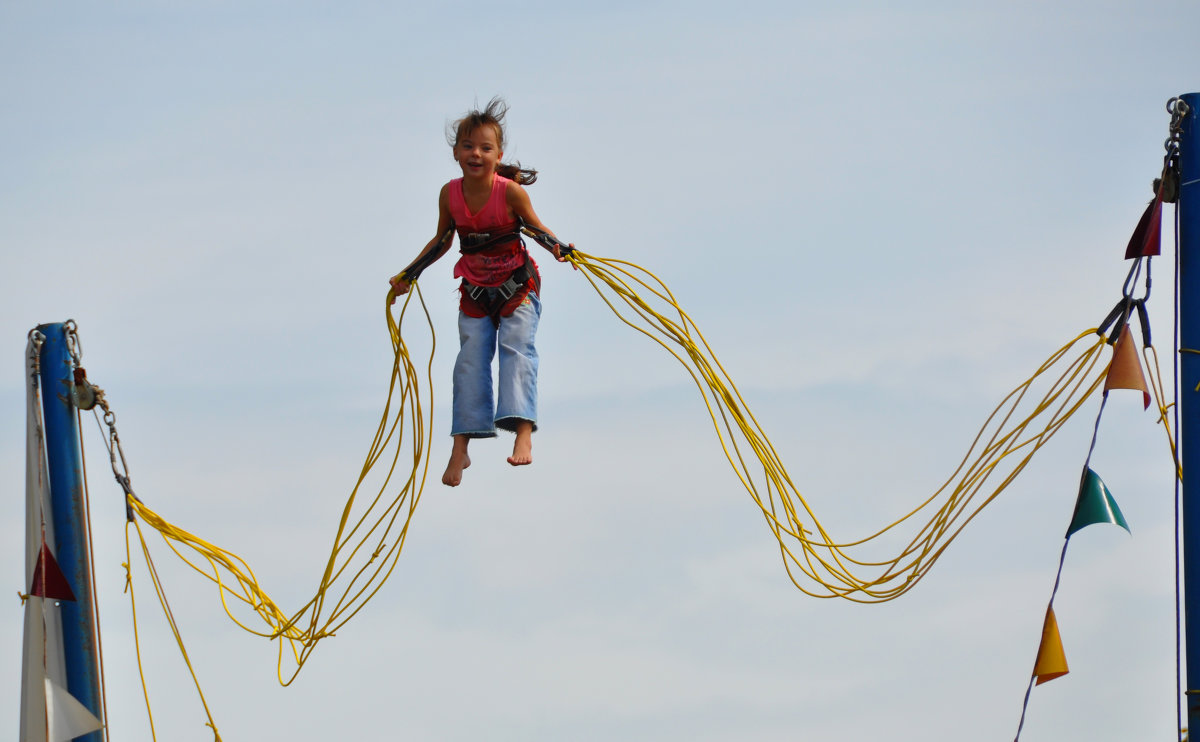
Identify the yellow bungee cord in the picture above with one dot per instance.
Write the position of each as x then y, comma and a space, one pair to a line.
818, 564
369, 538
365, 548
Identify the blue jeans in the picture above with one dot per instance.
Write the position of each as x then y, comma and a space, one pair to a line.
474, 414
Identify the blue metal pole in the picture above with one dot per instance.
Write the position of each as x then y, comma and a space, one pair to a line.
1189, 401
65, 465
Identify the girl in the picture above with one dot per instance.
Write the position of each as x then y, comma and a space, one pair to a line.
498, 297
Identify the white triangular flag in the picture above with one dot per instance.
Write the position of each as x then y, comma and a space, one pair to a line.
66, 716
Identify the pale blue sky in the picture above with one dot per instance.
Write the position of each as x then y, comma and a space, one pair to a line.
882, 215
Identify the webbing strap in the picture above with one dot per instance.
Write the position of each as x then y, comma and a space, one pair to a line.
476, 242
424, 260
547, 240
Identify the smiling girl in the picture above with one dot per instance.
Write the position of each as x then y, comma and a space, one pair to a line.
499, 305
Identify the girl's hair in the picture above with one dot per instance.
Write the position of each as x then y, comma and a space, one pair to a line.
492, 115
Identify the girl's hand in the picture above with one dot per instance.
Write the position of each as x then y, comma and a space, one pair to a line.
400, 287
559, 256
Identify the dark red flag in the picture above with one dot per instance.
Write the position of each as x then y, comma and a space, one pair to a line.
48, 578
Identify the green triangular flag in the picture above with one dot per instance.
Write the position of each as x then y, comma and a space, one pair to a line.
1095, 505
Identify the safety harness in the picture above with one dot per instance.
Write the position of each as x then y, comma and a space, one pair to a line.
492, 299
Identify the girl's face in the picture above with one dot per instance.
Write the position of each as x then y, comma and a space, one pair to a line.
478, 152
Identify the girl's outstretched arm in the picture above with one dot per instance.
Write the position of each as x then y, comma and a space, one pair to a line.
433, 250
522, 207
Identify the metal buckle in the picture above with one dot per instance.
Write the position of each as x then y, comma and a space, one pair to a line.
474, 291
478, 238
507, 289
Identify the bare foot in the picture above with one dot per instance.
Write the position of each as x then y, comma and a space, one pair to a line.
523, 447
459, 460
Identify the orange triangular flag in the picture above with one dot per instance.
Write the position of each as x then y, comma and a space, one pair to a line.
48, 578
1125, 371
1051, 661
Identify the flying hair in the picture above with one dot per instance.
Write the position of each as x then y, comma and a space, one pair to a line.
492, 115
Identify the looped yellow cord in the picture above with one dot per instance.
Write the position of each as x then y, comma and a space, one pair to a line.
818, 564
368, 540
162, 599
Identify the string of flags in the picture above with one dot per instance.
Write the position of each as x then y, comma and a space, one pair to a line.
1094, 502
1094, 505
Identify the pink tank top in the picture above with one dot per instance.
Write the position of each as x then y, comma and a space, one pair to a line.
489, 267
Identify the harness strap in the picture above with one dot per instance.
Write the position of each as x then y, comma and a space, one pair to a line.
493, 298
546, 240
424, 260
475, 242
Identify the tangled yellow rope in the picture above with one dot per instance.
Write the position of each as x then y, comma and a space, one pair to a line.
370, 537
365, 549
818, 564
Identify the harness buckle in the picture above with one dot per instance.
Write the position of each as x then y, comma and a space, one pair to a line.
508, 288
504, 291
477, 238
474, 291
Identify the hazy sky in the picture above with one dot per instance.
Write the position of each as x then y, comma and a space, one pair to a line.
883, 215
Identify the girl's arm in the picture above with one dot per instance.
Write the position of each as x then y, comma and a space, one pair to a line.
432, 251
522, 207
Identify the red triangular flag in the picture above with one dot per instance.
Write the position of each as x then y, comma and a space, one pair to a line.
48, 578
1147, 237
